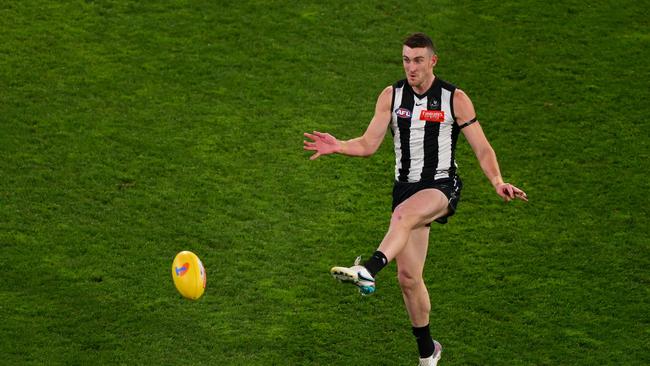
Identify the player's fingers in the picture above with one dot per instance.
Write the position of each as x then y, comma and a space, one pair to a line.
309, 143
324, 136
315, 156
309, 136
521, 195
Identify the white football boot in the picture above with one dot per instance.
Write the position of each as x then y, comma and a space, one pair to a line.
434, 358
357, 275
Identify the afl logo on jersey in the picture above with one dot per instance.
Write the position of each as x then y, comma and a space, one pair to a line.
403, 113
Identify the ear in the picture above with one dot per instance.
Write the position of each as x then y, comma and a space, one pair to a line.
434, 60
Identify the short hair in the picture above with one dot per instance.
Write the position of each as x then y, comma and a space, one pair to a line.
420, 40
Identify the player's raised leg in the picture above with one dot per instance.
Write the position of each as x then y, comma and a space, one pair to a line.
417, 211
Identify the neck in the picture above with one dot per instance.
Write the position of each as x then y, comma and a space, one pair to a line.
426, 84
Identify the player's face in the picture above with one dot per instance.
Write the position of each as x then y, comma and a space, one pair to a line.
418, 64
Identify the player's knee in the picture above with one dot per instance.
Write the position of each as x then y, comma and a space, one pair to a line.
408, 281
404, 218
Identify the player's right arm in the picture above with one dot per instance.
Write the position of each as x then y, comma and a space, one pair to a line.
365, 145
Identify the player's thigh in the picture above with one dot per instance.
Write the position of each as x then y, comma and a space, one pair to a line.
424, 206
410, 261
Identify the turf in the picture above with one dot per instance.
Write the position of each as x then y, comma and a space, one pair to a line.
130, 131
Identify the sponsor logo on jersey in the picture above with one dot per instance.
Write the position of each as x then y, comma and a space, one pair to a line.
432, 116
403, 113
180, 271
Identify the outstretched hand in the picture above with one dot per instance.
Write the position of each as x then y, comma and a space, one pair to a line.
323, 144
509, 192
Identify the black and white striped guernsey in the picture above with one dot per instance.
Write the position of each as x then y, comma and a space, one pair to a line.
425, 139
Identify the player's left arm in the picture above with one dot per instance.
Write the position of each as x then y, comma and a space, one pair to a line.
466, 119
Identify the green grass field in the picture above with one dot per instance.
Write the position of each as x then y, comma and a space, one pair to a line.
130, 131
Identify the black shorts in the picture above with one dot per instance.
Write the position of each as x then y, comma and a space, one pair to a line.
451, 188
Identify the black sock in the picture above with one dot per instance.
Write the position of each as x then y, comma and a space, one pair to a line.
376, 263
425, 342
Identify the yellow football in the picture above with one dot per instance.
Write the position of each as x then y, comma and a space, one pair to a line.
189, 275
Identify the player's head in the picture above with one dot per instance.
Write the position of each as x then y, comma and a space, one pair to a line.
419, 58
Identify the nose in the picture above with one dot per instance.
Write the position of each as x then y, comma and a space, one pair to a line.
411, 68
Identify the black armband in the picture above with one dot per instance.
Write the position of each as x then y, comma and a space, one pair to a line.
473, 120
